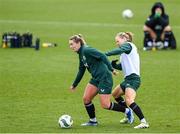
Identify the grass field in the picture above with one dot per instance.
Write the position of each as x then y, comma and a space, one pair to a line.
34, 84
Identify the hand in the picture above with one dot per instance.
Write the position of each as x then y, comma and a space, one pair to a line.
113, 63
115, 72
72, 88
157, 15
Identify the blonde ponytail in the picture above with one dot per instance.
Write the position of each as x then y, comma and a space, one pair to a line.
130, 35
78, 38
127, 35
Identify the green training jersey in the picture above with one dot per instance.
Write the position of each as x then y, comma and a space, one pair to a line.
124, 48
96, 63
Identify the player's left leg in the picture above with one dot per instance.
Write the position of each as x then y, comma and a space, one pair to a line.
149, 37
89, 93
117, 94
165, 36
130, 95
168, 38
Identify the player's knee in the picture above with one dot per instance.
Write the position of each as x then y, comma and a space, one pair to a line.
167, 28
105, 105
86, 100
146, 28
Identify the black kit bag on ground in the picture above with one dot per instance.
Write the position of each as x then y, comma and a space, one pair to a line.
14, 40
27, 39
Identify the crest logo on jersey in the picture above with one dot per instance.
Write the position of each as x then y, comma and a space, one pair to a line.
102, 90
158, 27
85, 62
84, 58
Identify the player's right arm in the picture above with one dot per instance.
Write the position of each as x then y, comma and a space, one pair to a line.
125, 48
79, 75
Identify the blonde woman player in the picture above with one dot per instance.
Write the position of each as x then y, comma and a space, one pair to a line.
130, 65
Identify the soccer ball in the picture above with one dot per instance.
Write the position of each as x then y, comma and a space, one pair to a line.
127, 13
159, 45
65, 121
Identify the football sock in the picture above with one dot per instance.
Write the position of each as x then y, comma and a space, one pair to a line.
167, 36
93, 119
149, 43
143, 120
166, 43
147, 39
117, 107
137, 110
121, 101
126, 110
90, 110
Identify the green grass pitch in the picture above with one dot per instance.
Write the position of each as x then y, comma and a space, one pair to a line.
34, 84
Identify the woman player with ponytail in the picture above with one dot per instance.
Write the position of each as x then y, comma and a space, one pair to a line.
130, 65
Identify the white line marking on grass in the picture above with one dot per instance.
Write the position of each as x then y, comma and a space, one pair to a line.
68, 23
62, 23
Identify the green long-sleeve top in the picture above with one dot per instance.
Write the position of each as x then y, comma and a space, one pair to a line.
95, 61
124, 48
